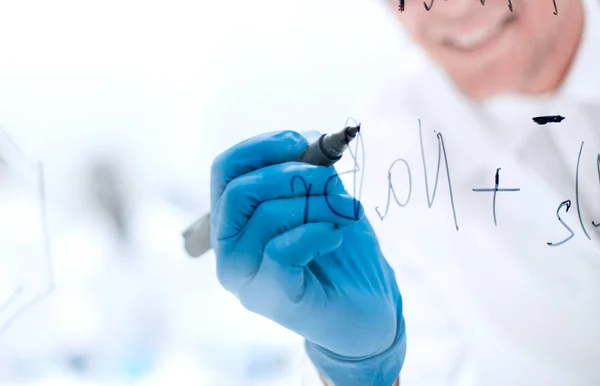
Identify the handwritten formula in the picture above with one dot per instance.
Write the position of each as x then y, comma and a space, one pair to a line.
401, 165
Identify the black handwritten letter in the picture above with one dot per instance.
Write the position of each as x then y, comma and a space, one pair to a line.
510, 6
595, 224
401, 6
306, 191
545, 119
577, 192
566, 203
391, 188
428, 8
495, 190
441, 148
358, 167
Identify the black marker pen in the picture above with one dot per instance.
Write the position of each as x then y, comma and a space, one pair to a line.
325, 151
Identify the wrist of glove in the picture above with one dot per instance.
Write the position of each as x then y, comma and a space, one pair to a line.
381, 369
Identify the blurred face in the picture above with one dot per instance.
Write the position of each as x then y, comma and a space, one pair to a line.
487, 49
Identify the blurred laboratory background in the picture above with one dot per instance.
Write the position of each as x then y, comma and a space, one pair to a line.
126, 103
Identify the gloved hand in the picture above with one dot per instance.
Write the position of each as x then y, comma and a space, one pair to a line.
288, 256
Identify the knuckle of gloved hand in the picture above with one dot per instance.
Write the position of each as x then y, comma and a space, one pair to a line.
311, 135
250, 300
263, 300
389, 331
246, 300
280, 143
290, 136
235, 191
359, 208
218, 164
225, 277
345, 207
268, 215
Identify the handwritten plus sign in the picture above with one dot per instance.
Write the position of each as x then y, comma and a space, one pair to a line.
496, 190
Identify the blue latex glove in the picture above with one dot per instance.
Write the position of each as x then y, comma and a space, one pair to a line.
315, 272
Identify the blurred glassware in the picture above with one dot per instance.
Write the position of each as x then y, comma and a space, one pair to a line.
26, 273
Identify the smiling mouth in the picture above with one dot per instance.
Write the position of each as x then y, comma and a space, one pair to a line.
474, 40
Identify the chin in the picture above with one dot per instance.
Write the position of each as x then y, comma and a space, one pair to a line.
486, 85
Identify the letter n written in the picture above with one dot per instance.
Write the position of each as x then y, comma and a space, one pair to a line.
441, 150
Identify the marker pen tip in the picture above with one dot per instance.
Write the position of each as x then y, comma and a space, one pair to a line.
351, 131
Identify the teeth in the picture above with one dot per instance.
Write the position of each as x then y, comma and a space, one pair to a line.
474, 38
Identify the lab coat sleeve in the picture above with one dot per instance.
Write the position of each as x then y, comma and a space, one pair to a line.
436, 353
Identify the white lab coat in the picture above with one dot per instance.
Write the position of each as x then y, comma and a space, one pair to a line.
491, 305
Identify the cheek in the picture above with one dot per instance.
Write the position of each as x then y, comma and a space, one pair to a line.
415, 24
419, 33
538, 25
533, 37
